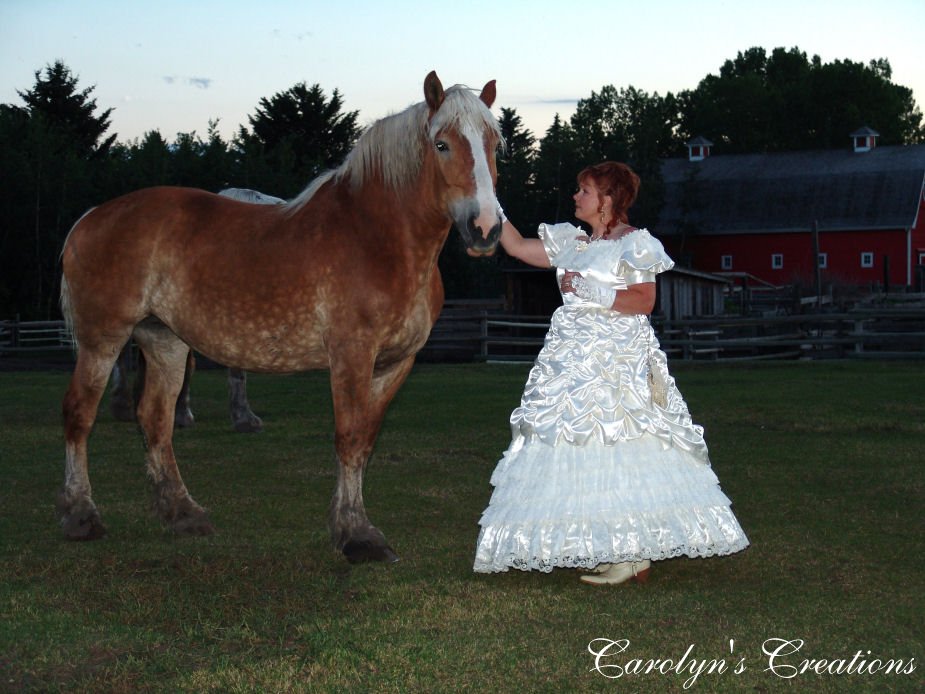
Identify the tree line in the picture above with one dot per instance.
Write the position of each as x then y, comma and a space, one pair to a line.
58, 159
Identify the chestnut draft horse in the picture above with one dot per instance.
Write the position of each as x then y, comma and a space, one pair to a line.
343, 277
123, 397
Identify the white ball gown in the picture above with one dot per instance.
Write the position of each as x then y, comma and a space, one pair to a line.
603, 466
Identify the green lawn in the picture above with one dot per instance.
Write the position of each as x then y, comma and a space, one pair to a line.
823, 462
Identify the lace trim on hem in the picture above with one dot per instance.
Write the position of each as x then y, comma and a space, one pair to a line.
568, 562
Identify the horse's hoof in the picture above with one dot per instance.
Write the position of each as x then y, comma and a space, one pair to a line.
360, 551
83, 528
248, 426
183, 420
195, 525
182, 515
79, 518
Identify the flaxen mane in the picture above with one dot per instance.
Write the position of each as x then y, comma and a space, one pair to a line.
392, 147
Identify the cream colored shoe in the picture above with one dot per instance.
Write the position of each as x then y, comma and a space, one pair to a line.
614, 574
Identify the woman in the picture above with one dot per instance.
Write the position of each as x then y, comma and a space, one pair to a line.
605, 471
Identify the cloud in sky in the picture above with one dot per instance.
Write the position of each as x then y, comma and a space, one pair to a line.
201, 82
567, 100
198, 82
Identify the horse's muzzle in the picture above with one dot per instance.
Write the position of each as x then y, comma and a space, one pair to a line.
479, 244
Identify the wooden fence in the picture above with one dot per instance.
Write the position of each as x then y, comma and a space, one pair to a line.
25, 337
878, 333
465, 332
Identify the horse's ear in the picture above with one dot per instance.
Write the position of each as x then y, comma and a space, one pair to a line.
433, 91
489, 92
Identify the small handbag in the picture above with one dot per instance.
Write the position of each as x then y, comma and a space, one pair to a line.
658, 389
658, 386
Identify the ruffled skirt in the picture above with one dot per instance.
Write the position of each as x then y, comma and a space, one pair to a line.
596, 471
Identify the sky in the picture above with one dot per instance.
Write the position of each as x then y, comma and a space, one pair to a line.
176, 65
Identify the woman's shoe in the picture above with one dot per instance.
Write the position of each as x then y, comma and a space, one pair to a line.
596, 569
614, 574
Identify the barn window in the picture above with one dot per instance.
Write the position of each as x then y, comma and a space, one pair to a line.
725, 262
777, 261
867, 259
823, 260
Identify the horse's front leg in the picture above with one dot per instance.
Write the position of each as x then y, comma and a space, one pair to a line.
360, 402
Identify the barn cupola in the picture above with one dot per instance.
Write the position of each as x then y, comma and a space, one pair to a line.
864, 139
698, 148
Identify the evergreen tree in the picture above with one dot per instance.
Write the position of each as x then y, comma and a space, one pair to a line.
515, 169
54, 145
558, 161
56, 97
300, 133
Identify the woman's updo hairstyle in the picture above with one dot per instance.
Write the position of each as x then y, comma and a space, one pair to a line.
618, 181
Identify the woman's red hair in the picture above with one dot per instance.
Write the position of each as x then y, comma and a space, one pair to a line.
618, 181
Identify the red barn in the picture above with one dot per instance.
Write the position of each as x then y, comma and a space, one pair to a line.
755, 214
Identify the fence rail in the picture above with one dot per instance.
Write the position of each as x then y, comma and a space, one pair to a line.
17, 337
862, 333
466, 334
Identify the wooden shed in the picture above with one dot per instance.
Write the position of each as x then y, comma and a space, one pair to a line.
681, 292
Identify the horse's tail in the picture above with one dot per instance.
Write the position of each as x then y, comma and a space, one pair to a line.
67, 308
68, 312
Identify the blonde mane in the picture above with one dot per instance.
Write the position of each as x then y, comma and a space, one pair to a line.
393, 147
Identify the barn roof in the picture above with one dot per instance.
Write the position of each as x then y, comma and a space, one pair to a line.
841, 189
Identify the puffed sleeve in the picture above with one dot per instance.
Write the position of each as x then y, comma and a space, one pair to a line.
642, 259
557, 238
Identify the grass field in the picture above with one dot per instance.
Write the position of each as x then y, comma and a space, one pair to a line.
823, 462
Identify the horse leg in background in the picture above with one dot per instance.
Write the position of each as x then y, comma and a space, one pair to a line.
183, 415
167, 359
360, 402
121, 402
243, 418
79, 517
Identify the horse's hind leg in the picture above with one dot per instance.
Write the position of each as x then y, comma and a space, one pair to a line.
79, 517
183, 413
243, 419
166, 357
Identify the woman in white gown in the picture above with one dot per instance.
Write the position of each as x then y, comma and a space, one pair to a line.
605, 470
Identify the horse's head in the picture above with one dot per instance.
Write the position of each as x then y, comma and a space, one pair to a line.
465, 137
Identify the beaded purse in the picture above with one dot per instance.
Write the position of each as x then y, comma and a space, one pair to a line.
658, 386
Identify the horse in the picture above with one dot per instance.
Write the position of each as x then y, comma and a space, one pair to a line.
343, 277
123, 398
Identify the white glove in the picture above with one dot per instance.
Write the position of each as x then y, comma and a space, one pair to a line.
501, 213
595, 293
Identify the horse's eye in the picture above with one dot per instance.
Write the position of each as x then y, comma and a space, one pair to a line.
442, 146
